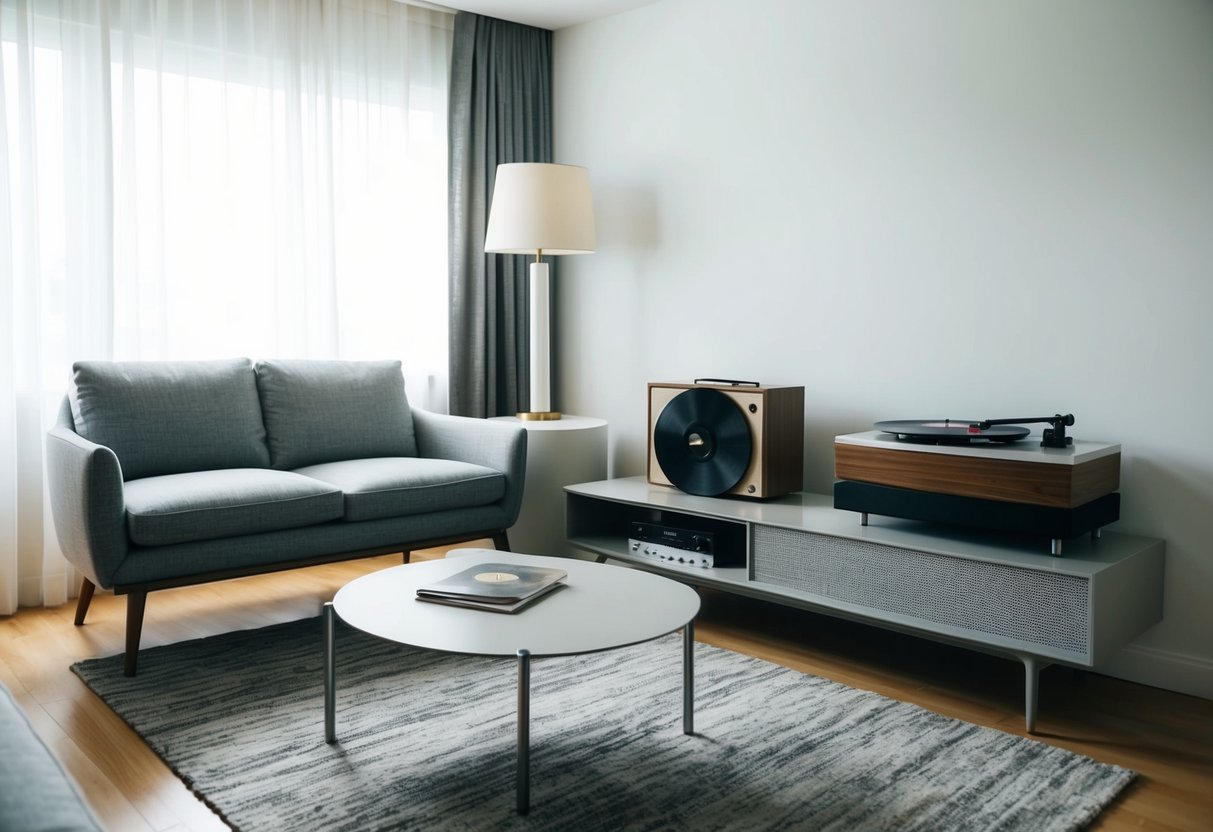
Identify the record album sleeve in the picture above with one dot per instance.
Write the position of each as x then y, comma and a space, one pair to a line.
493, 584
471, 604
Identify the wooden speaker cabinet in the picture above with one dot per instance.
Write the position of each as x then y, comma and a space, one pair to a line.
773, 460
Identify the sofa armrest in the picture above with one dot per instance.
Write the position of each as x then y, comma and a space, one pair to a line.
497, 445
85, 485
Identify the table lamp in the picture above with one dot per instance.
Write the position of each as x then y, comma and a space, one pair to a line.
545, 209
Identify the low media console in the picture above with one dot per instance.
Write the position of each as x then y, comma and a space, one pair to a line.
982, 590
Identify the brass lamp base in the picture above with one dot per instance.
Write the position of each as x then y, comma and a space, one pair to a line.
541, 416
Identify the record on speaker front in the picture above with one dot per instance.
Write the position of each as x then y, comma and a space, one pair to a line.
951, 431
702, 442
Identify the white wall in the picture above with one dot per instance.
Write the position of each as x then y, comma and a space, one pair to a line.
943, 208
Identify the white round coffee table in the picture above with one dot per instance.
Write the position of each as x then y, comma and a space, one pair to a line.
601, 608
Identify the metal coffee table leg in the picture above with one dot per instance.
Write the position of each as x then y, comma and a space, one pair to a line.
330, 675
688, 678
524, 731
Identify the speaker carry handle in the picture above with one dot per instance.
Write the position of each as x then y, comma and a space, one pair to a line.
729, 381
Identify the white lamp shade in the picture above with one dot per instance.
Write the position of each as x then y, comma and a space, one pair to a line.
539, 206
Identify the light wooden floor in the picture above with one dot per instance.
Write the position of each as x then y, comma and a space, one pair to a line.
1166, 737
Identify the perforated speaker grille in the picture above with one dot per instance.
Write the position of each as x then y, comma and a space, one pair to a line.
1039, 608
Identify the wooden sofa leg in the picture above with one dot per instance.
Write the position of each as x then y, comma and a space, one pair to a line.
86, 598
501, 542
135, 602
405, 555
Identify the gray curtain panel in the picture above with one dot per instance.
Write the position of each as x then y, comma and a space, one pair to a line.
500, 111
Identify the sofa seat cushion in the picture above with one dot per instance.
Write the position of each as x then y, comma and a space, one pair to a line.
400, 486
167, 417
204, 505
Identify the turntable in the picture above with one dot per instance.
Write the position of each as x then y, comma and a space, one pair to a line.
984, 474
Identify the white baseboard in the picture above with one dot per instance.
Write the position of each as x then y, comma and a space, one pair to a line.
1163, 669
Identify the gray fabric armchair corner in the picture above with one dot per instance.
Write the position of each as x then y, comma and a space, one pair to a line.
166, 474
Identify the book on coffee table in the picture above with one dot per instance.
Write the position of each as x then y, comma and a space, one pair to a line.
497, 587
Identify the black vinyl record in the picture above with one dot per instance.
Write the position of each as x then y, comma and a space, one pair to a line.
951, 431
702, 442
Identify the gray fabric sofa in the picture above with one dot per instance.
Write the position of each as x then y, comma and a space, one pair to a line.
166, 474
36, 794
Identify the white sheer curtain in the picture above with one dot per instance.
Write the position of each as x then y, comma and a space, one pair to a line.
209, 178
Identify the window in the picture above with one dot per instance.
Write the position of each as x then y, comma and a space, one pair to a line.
217, 178
214, 178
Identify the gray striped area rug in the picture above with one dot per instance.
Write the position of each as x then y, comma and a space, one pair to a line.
427, 741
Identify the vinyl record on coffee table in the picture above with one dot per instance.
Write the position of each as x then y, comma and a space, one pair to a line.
702, 442
951, 431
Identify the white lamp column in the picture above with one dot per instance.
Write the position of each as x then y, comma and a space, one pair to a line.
545, 209
541, 340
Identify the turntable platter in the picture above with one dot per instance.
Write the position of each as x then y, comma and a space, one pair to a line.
951, 431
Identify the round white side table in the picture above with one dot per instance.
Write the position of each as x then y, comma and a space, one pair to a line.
560, 452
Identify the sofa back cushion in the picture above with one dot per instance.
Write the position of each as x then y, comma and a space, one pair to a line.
326, 411
171, 417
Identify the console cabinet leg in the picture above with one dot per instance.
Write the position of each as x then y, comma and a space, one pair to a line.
1031, 679
135, 603
86, 598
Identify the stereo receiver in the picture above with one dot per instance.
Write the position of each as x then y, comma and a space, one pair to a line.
670, 545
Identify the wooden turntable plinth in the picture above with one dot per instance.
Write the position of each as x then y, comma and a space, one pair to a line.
1054, 486
1059, 477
